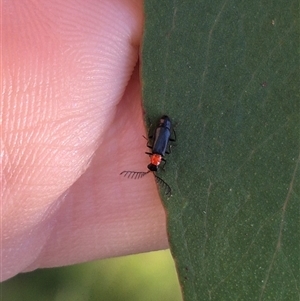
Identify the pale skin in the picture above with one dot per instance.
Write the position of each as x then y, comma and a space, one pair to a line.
72, 120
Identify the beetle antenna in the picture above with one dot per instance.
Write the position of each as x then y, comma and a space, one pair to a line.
134, 174
165, 186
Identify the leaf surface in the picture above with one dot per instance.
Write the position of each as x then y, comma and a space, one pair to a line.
227, 74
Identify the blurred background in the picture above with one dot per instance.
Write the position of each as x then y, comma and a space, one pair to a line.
142, 277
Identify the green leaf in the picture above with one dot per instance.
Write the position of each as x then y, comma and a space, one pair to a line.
227, 73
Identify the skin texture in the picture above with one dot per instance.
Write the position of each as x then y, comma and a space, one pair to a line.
71, 121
